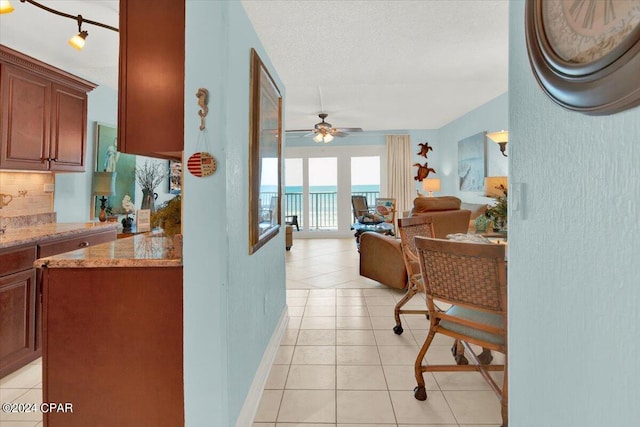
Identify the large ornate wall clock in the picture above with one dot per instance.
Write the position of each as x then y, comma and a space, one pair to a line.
585, 54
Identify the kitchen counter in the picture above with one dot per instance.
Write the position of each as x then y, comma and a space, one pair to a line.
142, 250
35, 233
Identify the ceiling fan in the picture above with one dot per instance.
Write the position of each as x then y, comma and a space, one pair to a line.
324, 132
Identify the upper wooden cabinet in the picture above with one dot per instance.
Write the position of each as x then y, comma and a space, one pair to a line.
43, 115
151, 78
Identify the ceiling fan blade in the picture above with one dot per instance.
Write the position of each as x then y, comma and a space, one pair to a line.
339, 133
349, 129
298, 130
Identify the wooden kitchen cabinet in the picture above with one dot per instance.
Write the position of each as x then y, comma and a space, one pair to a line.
43, 115
18, 297
151, 78
113, 345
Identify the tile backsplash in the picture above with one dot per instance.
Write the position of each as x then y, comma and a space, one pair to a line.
27, 190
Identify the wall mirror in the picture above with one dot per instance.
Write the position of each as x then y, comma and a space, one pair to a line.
265, 156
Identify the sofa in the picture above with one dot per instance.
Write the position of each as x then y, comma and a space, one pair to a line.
381, 256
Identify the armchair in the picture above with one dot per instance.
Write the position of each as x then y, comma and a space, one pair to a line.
381, 256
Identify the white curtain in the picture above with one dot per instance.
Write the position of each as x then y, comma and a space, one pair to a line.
399, 172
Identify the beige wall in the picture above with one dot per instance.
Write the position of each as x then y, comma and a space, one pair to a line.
27, 189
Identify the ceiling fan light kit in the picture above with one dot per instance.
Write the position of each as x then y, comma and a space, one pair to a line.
324, 132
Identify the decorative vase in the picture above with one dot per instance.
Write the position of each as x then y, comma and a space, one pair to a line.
149, 200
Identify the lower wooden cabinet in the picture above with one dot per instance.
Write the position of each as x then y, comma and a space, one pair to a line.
18, 296
21, 295
113, 346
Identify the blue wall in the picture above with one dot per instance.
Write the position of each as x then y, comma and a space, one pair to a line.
573, 258
232, 300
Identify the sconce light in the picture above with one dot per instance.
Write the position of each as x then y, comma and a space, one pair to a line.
501, 138
431, 185
77, 41
104, 184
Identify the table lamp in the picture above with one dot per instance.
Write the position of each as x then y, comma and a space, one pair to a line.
104, 184
431, 185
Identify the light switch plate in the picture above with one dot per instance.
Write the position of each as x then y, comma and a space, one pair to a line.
517, 200
49, 188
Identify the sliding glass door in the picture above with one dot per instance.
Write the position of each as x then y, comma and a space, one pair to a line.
319, 184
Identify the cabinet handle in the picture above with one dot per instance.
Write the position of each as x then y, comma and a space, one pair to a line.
83, 244
55, 159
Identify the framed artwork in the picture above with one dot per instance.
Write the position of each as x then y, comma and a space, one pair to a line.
109, 159
175, 177
265, 155
472, 162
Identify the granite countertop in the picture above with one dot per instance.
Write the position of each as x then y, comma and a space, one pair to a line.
142, 250
36, 233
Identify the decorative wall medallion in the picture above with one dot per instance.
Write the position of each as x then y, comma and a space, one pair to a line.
585, 54
201, 164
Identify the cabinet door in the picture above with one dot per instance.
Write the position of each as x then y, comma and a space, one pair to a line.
68, 129
17, 320
151, 78
26, 119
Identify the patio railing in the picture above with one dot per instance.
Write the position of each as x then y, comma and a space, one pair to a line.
323, 212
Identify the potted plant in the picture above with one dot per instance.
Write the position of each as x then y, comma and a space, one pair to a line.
498, 212
169, 217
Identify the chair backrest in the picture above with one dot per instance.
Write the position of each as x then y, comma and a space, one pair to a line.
360, 206
408, 229
472, 275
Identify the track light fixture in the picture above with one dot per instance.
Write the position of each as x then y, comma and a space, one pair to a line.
77, 41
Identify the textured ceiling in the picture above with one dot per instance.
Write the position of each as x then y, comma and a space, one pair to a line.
384, 64
377, 65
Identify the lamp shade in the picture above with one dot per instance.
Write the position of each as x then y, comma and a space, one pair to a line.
431, 184
77, 41
492, 185
104, 183
499, 137
5, 6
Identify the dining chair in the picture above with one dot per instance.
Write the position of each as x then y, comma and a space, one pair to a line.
472, 279
409, 228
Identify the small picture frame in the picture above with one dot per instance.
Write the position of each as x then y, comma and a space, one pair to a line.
143, 220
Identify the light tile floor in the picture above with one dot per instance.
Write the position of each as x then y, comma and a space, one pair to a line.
341, 365
22, 386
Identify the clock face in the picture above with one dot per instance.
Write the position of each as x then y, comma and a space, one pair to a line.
583, 31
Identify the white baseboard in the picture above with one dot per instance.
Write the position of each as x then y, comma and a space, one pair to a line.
252, 401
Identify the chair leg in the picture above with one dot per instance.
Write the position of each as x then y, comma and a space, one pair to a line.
504, 401
420, 392
457, 350
396, 311
485, 357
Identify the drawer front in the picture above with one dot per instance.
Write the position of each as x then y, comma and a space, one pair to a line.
77, 242
16, 260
